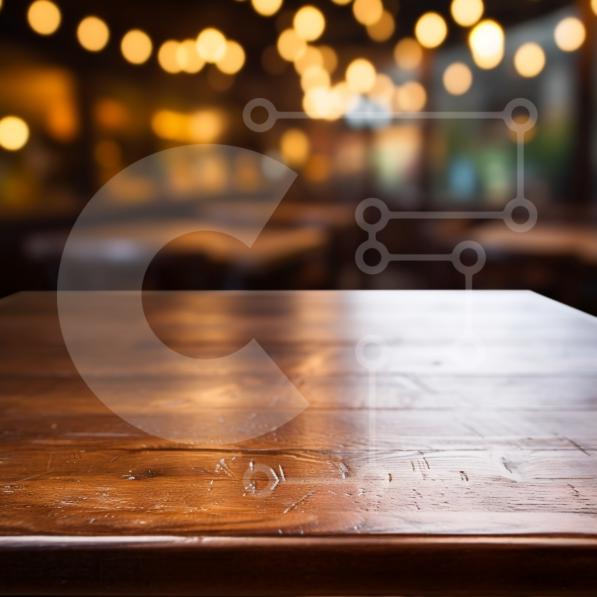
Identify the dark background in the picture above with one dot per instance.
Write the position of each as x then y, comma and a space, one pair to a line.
92, 114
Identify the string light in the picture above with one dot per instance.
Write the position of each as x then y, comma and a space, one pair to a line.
211, 45
360, 75
383, 29
14, 133
570, 34
44, 17
188, 58
457, 78
367, 12
309, 23
93, 34
486, 42
408, 54
136, 46
466, 12
168, 57
290, 46
431, 30
529, 60
233, 59
266, 8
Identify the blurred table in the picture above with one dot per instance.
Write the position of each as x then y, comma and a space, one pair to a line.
464, 461
578, 241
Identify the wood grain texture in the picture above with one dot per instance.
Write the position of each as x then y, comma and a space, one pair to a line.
474, 469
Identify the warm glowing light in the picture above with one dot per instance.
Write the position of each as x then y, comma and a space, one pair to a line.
529, 60
341, 2
187, 57
321, 102
211, 45
310, 57
205, 126
168, 57
411, 96
383, 90
290, 45
486, 42
431, 30
570, 33
168, 124
367, 12
330, 58
594, 6
309, 23
383, 29
315, 76
294, 147
93, 34
14, 133
44, 17
234, 58
467, 12
360, 75
457, 78
136, 46
408, 54
266, 8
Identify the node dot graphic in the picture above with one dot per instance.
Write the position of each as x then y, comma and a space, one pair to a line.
371, 352
255, 105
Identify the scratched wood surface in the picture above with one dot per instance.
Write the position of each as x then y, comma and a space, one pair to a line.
472, 448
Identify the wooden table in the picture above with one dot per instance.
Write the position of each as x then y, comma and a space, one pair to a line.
471, 469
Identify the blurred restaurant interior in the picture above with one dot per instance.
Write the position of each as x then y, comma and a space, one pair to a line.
89, 88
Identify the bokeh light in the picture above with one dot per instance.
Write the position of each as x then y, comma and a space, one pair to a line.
136, 46
383, 29
93, 34
367, 12
529, 60
486, 42
466, 12
411, 96
309, 57
360, 75
294, 147
187, 57
211, 45
168, 57
290, 45
233, 59
266, 8
44, 17
309, 23
570, 34
457, 78
408, 54
431, 30
330, 58
315, 76
14, 133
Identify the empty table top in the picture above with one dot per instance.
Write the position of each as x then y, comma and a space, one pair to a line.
363, 442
